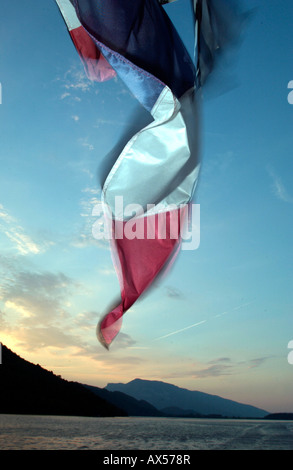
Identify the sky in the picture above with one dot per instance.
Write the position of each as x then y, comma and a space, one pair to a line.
221, 320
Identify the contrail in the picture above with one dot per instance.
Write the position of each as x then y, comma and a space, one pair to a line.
232, 310
179, 331
203, 321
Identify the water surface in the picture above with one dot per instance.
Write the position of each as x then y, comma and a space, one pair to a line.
23, 432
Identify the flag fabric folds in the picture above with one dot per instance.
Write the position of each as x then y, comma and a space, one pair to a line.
157, 170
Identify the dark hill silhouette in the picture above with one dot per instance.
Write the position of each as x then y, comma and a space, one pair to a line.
280, 416
129, 404
26, 388
165, 396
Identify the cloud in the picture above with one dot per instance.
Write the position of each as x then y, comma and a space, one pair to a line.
38, 306
85, 237
86, 320
107, 271
123, 341
20, 240
64, 95
75, 83
173, 292
84, 240
108, 122
39, 314
85, 143
278, 187
225, 366
3, 322
257, 362
215, 370
35, 338
88, 203
95, 191
38, 298
220, 359
219, 164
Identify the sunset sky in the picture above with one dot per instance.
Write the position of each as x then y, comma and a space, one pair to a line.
220, 321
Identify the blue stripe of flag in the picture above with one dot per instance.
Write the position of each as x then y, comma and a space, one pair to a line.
140, 42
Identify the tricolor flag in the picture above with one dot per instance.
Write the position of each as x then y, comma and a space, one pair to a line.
157, 170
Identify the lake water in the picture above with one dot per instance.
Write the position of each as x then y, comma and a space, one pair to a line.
19, 432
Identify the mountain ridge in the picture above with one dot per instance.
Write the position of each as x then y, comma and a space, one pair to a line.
163, 395
28, 388
131, 405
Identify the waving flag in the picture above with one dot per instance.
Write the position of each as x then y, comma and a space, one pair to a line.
158, 168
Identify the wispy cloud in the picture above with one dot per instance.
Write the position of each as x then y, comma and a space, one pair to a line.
108, 122
38, 307
85, 237
20, 240
36, 338
226, 366
88, 203
278, 187
37, 297
74, 83
257, 362
64, 95
91, 197
107, 271
219, 164
215, 370
85, 143
91, 190
173, 292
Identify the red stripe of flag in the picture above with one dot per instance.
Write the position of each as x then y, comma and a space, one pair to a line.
96, 66
139, 261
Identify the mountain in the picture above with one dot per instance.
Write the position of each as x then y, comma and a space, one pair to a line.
130, 405
165, 396
280, 416
26, 388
